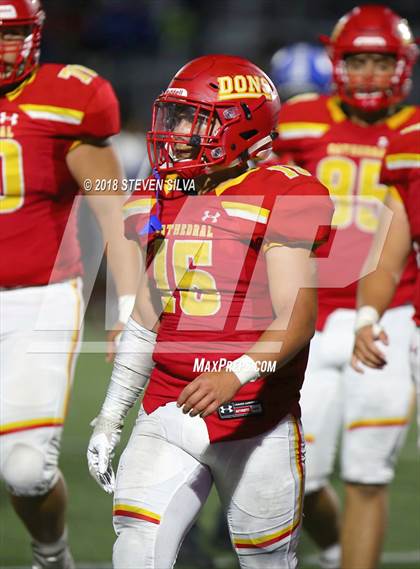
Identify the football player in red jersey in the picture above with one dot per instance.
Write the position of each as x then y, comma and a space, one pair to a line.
227, 350
401, 172
54, 122
341, 139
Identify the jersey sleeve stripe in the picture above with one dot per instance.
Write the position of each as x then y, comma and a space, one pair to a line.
268, 246
412, 128
246, 211
290, 130
51, 113
395, 194
303, 97
403, 160
140, 206
74, 145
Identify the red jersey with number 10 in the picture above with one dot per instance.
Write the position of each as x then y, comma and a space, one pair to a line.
40, 121
208, 265
346, 157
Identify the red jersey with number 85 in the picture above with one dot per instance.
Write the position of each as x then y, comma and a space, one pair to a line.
346, 157
40, 121
208, 265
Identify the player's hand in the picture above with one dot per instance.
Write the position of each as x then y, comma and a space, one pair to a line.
207, 392
366, 349
113, 337
104, 439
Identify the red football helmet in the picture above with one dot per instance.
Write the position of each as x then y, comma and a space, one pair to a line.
20, 37
217, 110
372, 29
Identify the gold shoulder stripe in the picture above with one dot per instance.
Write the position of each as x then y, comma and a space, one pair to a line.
401, 117
233, 182
16, 92
336, 112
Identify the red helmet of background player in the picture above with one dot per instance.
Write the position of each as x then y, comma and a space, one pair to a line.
372, 29
218, 110
25, 52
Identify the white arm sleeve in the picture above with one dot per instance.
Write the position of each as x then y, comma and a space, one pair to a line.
132, 367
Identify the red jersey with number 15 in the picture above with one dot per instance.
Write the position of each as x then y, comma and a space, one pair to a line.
346, 157
40, 122
208, 264
401, 169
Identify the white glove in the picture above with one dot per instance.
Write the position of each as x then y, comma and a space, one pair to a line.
104, 439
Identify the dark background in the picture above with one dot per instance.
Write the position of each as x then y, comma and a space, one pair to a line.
139, 44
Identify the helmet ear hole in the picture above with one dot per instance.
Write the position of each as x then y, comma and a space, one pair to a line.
248, 134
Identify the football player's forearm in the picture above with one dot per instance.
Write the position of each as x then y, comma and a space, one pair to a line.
377, 289
386, 260
280, 346
146, 309
294, 304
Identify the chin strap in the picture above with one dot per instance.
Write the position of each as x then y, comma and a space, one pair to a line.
260, 146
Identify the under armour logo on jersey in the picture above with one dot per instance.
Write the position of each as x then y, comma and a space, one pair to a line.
226, 409
12, 118
240, 409
213, 217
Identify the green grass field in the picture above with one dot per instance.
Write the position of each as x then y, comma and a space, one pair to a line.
89, 513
